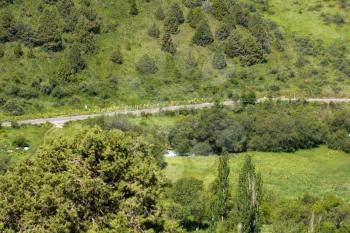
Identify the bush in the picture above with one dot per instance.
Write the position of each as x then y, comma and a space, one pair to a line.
117, 57
159, 14
72, 63
175, 10
203, 36
20, 141
167, 44
154, 31
248, 98
195, 16
219, 61
339, 140
146, 65
223, 32
48, 33
192, 3
171, 24
219, 9
2, 51
14, 107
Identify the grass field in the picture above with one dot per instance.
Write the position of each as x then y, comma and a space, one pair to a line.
319, 171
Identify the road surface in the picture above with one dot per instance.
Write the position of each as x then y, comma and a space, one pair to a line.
60, 121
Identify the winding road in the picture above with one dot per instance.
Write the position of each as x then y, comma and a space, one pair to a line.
60, 121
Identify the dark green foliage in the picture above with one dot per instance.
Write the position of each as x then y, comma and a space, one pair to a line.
159, 13
249, 198
219, 9
17, 51
65, 7
243, 45
117, 57
221, 192
8, 28
283, 132
219, 61
133, 8
153, 31
175, 10
72, 63
248, 98
195, 16
189, 202
146, 65
210, 132
192, 3
167, 44
14, 107
339, 140
20, 141
84, 36
31, 54
223, 32
49, 33
5, 2
101, 174
171, 24
203, 35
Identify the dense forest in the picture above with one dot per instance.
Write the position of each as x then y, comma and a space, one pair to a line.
60, 56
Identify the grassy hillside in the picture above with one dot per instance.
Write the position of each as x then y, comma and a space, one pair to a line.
318, 171
307, 42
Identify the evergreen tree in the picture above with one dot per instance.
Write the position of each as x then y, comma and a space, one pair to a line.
219, 61
133, 8
203, 35
117, 57
249, 198
154, 31
175, 10
72, 63
2, 51
159, 14
219, 8
167, 44
146, 65
171, 24
220, 204
49, 34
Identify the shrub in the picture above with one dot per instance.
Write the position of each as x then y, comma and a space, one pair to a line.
195, 16
192, 3
171, 24
154, 31
30, 54
339, 140
72, 63
48, 33
248, 98
223, 32
117, 57
159, 14
146, 65
175, 10
167, 44
219, 61
203, 36
14, 107
20, 141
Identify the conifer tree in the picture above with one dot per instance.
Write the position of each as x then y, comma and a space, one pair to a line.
159, 14
219, 61
219, 8
175, 10
167, 44
203, 35
49, 34
154, 31
249, 198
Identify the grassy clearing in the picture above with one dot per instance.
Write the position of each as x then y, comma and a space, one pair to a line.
319, 171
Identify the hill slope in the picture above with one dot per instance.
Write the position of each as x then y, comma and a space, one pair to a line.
61, 55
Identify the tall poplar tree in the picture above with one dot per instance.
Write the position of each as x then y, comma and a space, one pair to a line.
249, 198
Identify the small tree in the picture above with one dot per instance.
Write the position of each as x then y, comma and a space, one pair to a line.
220, 202
154, 31
219, 8
117, 57
48, 33
203, 35
171, 24
175, 10
159, 14
248, 98
219, 61
133, 8
223, 32
249, 198
146, 65
2, 51
72, 63
167, 44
